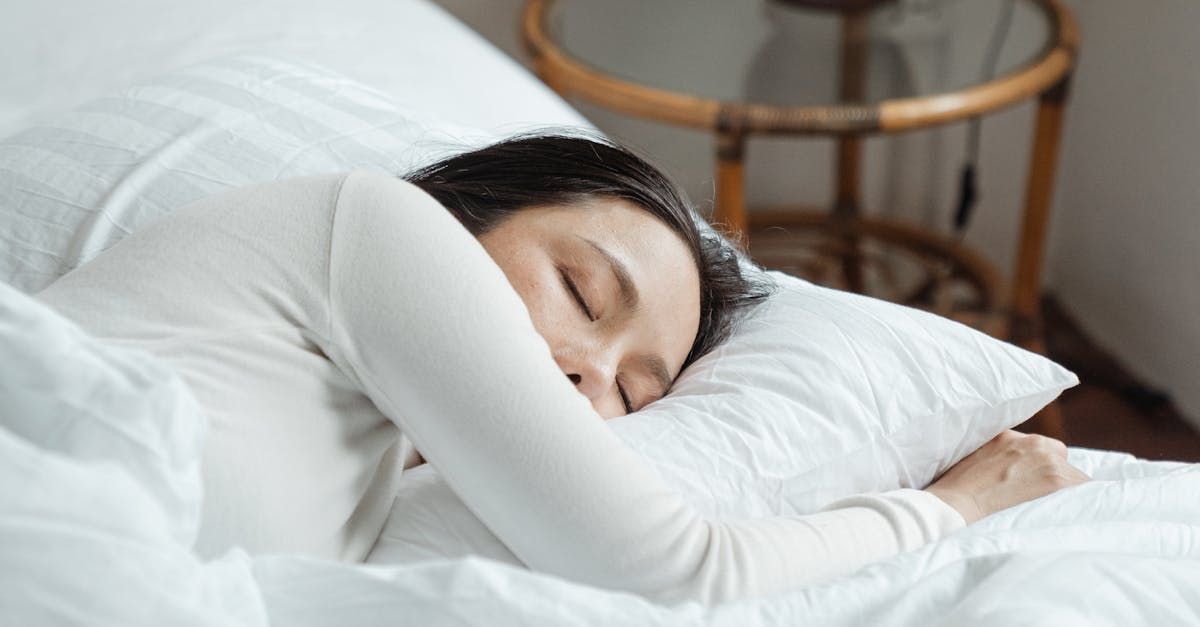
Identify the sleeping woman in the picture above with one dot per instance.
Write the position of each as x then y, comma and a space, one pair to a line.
485, 314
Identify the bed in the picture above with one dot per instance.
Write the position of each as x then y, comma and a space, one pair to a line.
61, 53
99, 447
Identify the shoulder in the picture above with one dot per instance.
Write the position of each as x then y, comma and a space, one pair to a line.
389, 202
379, 187
320, 193
319, 189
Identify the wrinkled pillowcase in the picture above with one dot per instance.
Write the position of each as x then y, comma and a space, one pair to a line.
821, 394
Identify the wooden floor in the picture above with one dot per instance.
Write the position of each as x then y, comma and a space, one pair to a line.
1111, 409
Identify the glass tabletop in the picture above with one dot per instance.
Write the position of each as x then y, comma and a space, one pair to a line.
788, 53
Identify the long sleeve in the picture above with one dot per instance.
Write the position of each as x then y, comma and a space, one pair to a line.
427, 324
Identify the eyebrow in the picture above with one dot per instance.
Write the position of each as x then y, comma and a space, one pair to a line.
629, 291
629, 294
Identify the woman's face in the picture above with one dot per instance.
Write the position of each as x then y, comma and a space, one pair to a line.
614, 292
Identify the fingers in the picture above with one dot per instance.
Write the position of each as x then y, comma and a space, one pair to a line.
1076, 475
1061, 474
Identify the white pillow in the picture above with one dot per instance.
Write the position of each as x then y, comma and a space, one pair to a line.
71, 188
818, 395
821, 394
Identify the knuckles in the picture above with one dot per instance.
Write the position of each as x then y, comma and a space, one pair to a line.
1041, 444
1062, 475
1009, 436
1058, 480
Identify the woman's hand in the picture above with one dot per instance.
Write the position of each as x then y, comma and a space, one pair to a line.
1012, 468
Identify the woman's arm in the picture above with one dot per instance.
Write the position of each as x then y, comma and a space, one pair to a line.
433, 332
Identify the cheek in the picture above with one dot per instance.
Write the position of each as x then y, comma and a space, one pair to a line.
534, 276
541, 293
527, 275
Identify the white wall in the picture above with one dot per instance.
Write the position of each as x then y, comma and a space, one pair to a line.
1126, 249
1125, 239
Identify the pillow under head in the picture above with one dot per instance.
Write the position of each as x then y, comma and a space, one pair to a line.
821, 394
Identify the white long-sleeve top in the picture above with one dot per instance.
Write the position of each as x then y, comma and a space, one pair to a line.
333, 325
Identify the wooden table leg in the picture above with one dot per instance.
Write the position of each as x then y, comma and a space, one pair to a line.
1039, 195
1048, 421
1027, 275
730, 211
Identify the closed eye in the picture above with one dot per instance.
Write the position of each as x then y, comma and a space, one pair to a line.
569, 283
625, 398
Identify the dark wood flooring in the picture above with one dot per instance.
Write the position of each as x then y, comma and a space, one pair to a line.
1110, 408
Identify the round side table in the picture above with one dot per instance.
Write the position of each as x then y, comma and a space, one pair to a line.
630, 56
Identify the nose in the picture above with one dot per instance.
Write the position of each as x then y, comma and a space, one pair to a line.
592, 372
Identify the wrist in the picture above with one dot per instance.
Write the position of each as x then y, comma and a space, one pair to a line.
964, 504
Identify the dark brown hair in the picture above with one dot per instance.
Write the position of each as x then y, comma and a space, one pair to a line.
484, 186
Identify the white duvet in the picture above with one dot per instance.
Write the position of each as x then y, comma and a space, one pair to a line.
98, 503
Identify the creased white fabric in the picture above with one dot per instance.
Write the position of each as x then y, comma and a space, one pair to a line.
86, 534
100, 485
282, 304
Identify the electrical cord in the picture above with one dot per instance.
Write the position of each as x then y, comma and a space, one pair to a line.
968, 191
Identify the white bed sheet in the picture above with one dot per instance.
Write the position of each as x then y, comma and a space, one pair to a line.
98, 453
60, 53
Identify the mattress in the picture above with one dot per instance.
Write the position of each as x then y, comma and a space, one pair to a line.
59, 53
